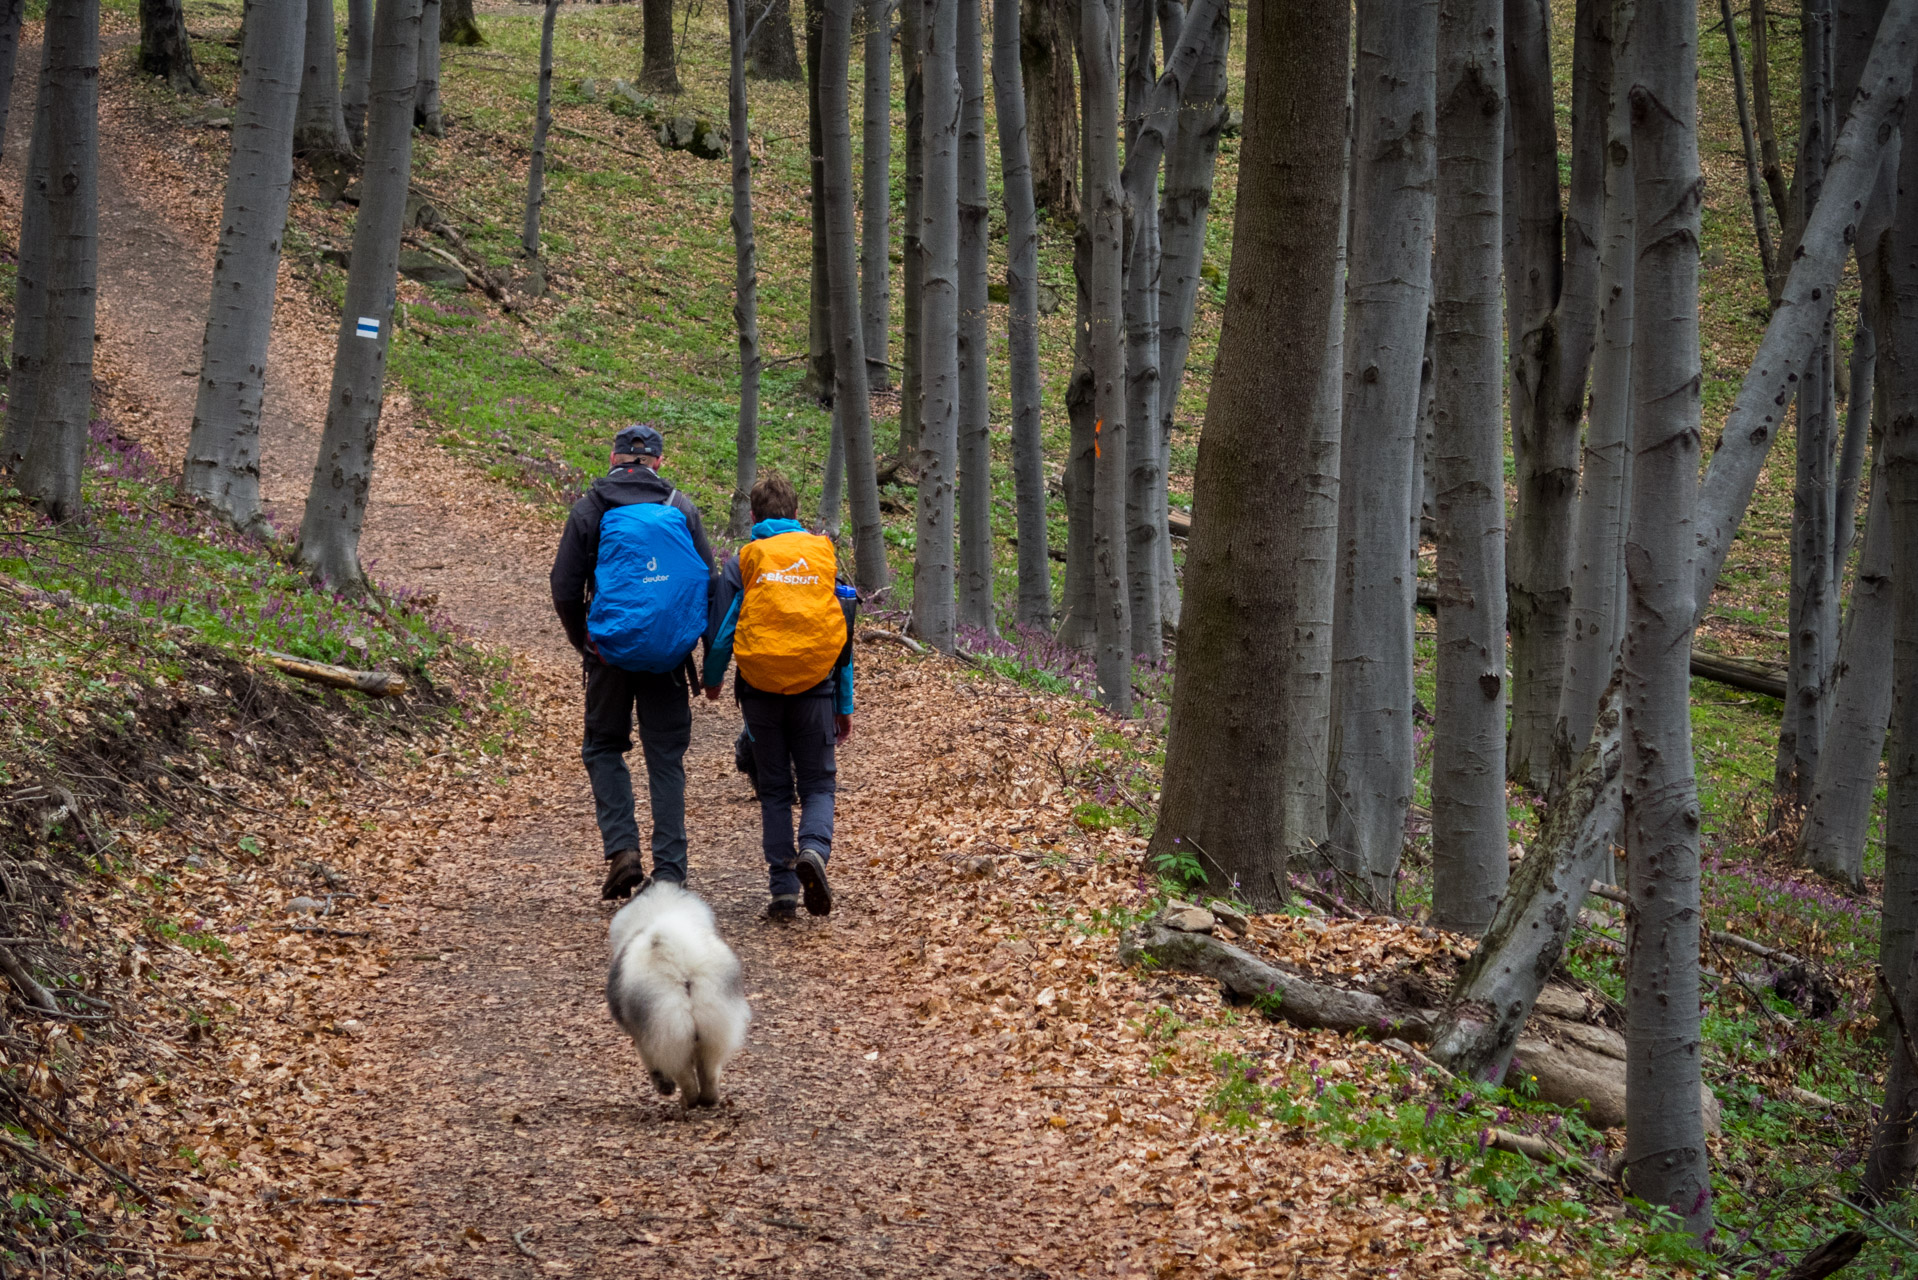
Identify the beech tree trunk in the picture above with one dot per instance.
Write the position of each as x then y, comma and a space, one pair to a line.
745, 277
1022, 320
63, 174
912, 26
1469, 840
852, 401
329, 546
1045, 62
428, 113
1770, 167
1145, 510
1754, 167
10, 15
1079, 618
1666, 1162
1832, 840
1894, 1155
320, 126
657, 71
819, 371
875, 227
771, 53
359, 66
1804, 307
1244, 785
26, 360
542, 123
1103, 216
975, 404
1597, 616
458, 26
1555, 305
1388, 295
223, 449
165, 50
932, 572
1191, 159
1814, 592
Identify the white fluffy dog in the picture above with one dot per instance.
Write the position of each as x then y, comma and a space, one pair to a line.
674, 988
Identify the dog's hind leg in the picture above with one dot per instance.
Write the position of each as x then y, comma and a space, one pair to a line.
662, 1082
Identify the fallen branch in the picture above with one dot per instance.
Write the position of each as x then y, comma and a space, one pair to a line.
1612, 893
375, 684
873, 634
1834, 1255
1540, 1149
60, 1131
30, 991
478, 279
557, 127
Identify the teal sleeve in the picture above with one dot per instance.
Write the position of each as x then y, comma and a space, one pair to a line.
719, 654
842, 689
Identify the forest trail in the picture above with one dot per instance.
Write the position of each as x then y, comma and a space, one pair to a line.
491, 1109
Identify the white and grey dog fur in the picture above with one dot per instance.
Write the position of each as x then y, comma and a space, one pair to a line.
674, 987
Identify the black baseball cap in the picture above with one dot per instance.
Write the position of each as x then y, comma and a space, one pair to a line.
641, 441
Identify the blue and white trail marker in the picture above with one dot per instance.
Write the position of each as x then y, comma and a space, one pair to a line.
369, 327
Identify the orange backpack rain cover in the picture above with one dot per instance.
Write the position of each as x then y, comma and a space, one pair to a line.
791, 627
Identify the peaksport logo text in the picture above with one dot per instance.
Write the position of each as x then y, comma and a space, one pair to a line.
790, 575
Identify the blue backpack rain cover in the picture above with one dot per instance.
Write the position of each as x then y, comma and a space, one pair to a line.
649, 588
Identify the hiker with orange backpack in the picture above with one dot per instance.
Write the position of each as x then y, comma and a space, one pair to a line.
786, 622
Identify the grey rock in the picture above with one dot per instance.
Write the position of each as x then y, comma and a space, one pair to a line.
304, 906
1048, 300
624, 100
1228, 915
1183, 917
428, 268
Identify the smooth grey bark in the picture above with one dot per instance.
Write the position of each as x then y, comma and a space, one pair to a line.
359, 66
1806, 301
320, 126
875, 227
1754, 169
329, 546
223, 448
1851, 454
832, 487
1388, 296
1244, 784
912, 23
1770, 167
1893, 1162
1597, 616
771, 53
932, 569
657, 70
745, 277
26, 357
54, 437
975, 392
819, 371
1832, 839
427, 111
1469, 825
1080, 610
1497, 987
1144, 525
165, 50
1103, 216
1191, 160
10, 14
1666, 1162
1045, 63
1022, 320
1554, 316
1814, 591
852, 400
542, 123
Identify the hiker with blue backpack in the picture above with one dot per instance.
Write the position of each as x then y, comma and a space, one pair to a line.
786, 622
632, 584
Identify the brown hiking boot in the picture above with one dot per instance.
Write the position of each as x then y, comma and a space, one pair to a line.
625, 874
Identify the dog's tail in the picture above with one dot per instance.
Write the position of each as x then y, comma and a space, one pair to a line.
681, 1003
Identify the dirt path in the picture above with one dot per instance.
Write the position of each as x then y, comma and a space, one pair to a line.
502, 1123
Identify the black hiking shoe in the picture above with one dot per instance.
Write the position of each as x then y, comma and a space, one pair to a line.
811, 870
625, 874
783, 907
